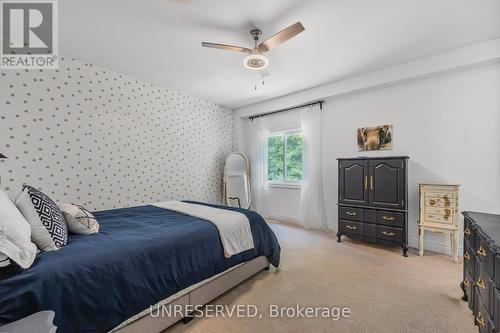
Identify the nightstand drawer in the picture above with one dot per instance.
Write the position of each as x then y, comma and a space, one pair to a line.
445, 195
439, 201
351, 227
437, 218
351, 213
393, 219
439, 211
389, 233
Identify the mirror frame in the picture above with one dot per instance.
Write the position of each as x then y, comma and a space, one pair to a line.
249, 182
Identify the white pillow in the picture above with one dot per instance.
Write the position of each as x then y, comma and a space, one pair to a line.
15, 234
79, 220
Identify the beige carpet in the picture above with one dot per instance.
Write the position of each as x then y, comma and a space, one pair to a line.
384, 291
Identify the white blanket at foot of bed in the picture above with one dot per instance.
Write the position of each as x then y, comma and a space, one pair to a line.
234, 227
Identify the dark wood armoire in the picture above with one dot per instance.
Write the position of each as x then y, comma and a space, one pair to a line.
373, 200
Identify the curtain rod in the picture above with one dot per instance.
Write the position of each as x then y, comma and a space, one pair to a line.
289, 109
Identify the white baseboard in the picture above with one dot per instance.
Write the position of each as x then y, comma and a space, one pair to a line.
434, 247
286, 219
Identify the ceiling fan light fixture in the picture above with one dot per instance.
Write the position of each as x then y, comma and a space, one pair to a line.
255, 61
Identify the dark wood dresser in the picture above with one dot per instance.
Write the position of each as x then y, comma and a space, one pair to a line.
482, 269
373, 200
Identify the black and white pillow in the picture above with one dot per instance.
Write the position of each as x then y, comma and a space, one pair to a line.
48, 226
79, 220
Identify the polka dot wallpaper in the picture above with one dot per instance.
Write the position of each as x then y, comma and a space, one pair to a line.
90, 136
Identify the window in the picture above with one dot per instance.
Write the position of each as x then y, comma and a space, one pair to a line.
284, 157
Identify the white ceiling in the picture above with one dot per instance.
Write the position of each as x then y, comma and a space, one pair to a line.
160, 40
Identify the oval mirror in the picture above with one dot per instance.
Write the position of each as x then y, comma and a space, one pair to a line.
237, 181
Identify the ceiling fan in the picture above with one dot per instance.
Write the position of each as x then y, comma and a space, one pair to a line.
255, 59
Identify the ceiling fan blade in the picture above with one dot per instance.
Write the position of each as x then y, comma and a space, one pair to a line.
281, 37
226, 47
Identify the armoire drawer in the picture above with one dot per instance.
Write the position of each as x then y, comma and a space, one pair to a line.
351, 227
389, 233
392, 219
351, 213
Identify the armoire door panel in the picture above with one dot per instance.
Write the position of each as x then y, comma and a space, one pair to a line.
353, 176
387, 183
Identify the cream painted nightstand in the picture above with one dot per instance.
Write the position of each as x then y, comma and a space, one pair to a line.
439, 213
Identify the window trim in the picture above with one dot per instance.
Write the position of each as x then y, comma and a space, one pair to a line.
284, 183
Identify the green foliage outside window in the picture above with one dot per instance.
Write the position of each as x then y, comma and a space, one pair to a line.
294, 157
284, 162
275, 158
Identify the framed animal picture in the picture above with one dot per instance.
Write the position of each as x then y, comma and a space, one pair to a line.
375, 138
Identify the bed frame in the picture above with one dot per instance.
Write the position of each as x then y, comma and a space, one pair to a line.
198, 294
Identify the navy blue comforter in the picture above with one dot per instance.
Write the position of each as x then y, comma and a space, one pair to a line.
140, 256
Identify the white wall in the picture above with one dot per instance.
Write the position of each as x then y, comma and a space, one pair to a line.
449, 125
91, 136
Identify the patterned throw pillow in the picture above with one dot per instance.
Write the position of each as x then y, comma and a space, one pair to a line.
48, 226
79, 220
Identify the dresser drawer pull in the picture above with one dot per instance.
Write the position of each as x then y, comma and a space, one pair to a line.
388, 218
466, 256
480, 319
388, 233
351, 227
466, 283
467, 231
480, 283
481, 252
351, 213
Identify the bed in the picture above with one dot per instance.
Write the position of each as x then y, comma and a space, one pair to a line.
142, 256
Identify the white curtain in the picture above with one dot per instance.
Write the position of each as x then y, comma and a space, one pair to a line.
312, 198
258, 137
